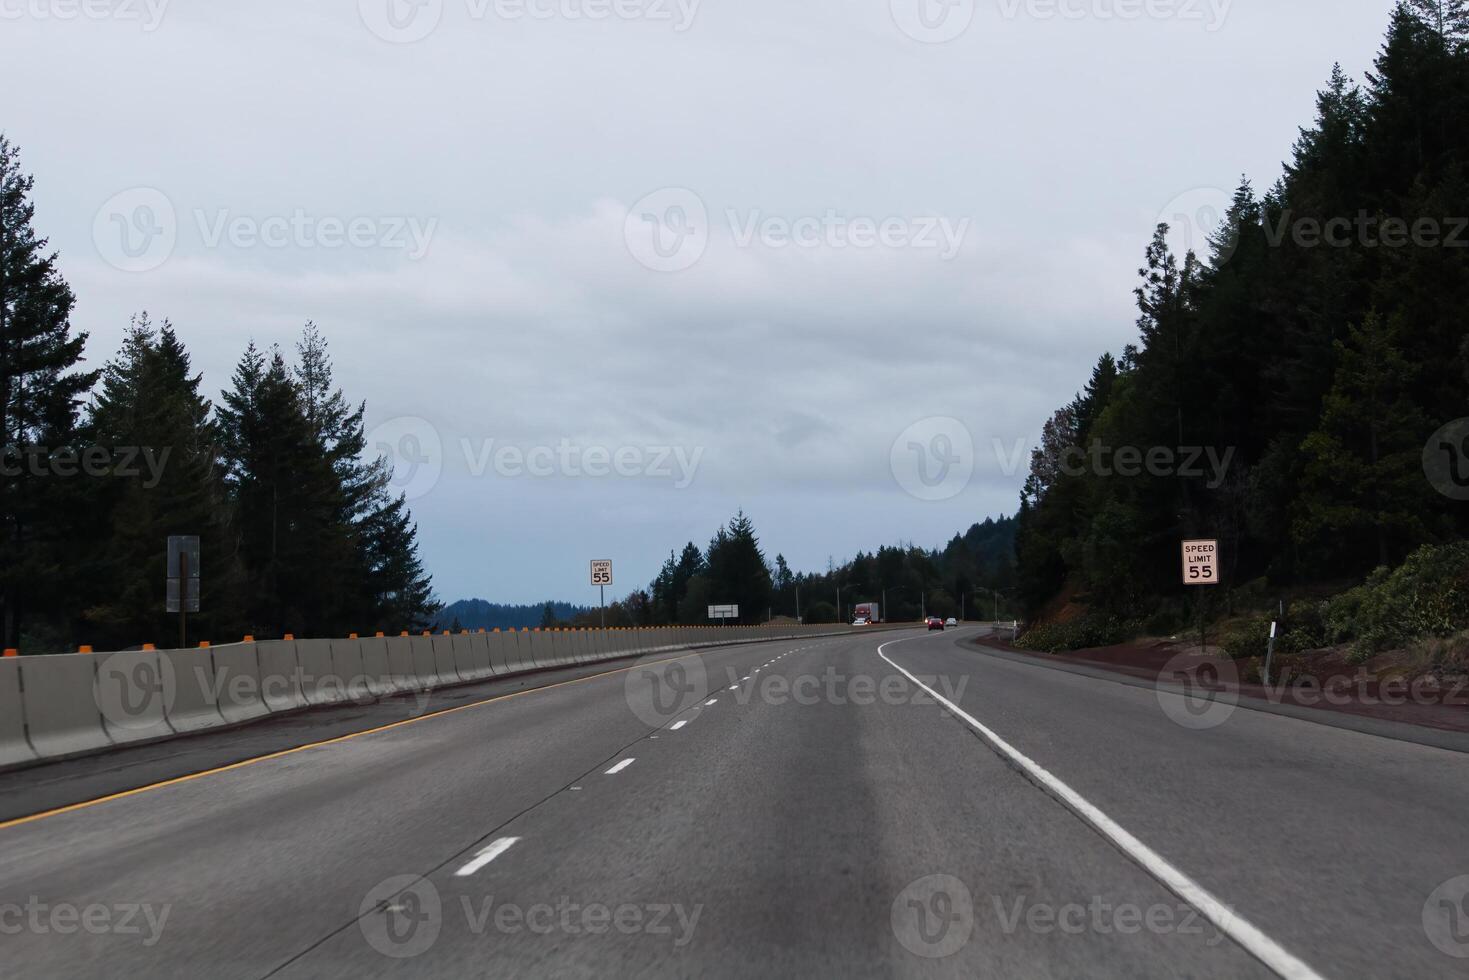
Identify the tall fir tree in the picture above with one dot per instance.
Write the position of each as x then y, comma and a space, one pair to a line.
298, 557
391, 590
1364, 499
149, 410
41, 390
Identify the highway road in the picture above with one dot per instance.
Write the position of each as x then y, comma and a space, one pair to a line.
895, 804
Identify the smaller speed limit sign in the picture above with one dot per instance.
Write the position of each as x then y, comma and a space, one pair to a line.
1201, 563
601, 573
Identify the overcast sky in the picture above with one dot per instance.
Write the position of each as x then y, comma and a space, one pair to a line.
606, 271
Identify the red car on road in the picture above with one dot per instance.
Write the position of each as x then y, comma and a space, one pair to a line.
934, 623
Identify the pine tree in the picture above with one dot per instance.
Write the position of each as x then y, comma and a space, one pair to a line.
1363, 479
737, 570
298, 557
149, 407
400, 592
40, 393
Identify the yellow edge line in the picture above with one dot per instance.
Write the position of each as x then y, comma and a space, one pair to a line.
19, 821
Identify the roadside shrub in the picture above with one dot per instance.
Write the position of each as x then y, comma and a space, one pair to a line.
1166, 620
1248, 638
1081, 634
1426, 596
820, 613
1443, 655
1304, 629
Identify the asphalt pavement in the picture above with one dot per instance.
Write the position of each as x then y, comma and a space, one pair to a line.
896, 804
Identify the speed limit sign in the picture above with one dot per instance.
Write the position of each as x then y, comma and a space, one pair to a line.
601, 573
1201, 563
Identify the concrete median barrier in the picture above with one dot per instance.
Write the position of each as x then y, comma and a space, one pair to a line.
502, 651
61, 712
472, 657
541, 652
509, 657
348, 666
280, 675
374, 650
319, 679
237, 683
195, 703
15, 749
425, 665
446, 669
400, 662
133, 691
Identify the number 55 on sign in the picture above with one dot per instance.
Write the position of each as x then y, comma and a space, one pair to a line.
601, 573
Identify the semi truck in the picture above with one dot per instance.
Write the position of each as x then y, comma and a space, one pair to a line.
869, 611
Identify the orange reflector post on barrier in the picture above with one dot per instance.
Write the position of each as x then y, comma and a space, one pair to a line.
12, 652
84, 648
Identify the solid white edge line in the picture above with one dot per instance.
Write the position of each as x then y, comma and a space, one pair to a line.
1259, 945
485, 855
710, 701
677, 725
619, 767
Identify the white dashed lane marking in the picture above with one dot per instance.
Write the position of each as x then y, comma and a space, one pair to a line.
485, 855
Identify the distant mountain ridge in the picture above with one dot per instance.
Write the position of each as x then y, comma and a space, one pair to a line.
474, 614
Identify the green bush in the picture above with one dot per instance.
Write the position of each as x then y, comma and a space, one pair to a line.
820, 613
1426, 596
1248, 639
1168, 619
1081, 634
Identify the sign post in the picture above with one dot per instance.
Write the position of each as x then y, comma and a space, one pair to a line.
1201, 567
182, 595
1269, 653
601, 578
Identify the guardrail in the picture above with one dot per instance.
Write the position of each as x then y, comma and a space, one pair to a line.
58, 707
